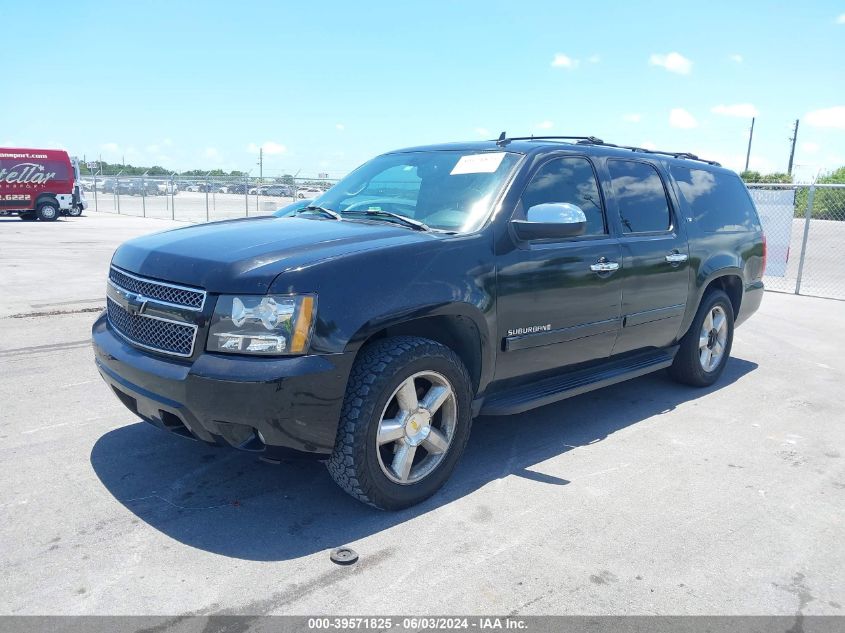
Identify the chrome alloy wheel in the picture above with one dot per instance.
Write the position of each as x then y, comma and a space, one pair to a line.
711, 340
416, 427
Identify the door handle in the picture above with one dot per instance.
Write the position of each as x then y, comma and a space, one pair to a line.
676, 258
604, 266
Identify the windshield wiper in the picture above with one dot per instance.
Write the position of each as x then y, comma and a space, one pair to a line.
414, 224
334, 215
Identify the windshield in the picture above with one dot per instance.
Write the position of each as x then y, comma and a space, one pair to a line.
448, 190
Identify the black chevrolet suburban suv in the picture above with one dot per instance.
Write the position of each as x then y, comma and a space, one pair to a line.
430, 286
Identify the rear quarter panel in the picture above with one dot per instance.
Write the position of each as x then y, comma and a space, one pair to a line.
718, 254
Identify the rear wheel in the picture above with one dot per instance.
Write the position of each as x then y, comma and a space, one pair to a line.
405, 421
705, 348
48, 211
74, 212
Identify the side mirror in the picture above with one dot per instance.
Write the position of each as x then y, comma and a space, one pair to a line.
551, 220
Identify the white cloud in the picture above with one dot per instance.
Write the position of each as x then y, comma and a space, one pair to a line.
736, 57
680, 118
212, 152
744, 110
594, 59
110, 147
648, 145
841, 19
483, 132
827, 117
564, 61
270, 148
810, 148
633, 117
340, 126
545, 125
673, 62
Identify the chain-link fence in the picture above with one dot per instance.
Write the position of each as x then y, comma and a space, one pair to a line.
804, 224
196, 199
805, 231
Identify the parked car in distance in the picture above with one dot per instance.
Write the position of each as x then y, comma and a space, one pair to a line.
430, 286
278, 190
308, 192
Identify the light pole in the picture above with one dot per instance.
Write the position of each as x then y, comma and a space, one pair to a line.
794, 138
750, 137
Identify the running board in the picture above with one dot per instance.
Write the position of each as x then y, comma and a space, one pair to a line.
549, 390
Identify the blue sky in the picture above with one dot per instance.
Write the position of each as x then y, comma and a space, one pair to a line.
324, 86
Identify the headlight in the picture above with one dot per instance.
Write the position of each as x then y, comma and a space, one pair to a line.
269, 325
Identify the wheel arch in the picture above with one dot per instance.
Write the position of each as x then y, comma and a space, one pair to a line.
47, 197
459, 330
719, 273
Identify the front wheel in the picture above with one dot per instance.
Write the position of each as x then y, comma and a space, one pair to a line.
48, 211
405, 421
74, 212
705, 348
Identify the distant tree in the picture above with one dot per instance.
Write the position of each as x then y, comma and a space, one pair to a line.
835, 177
750, 176
777, 177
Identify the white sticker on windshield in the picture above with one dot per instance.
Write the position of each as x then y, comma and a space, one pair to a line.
478, 163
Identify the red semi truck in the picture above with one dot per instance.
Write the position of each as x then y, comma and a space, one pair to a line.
39, 184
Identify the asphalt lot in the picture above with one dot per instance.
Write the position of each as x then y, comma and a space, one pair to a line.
643, 498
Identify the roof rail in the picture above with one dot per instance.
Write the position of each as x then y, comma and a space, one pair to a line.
684, 155
503, 140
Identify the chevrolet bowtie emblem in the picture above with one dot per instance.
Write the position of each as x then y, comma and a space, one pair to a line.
135, 304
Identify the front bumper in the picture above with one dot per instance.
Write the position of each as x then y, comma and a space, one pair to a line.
254, 404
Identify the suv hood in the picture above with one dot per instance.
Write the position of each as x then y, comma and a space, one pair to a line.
246, 255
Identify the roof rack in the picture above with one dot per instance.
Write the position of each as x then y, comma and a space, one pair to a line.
592, 140
504, 139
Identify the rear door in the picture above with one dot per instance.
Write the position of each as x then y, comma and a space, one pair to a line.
558, 300
655, 255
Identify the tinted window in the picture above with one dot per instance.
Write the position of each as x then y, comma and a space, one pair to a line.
639, 193
569, 180
718, 201
446, 189
401, 180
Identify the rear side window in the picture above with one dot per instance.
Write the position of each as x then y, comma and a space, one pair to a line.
640, 196
569, 180
718, 202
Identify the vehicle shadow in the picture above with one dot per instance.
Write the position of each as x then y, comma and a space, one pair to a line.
230, 503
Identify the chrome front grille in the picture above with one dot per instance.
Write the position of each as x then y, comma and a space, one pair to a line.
150, 332
162, 292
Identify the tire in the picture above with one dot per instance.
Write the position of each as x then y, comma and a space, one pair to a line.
74, 212
48, 211
29, 216
704, 351
369, 468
